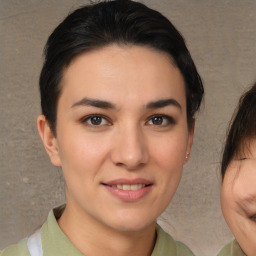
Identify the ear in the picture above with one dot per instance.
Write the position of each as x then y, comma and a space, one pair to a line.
190, 140
49, 140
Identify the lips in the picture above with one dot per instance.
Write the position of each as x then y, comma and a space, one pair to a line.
129, 190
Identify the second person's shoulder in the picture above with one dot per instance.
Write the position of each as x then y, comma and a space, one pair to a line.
231, 249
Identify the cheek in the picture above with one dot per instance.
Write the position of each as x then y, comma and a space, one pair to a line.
240, 225
233, 203
230, 194
226, 203
170, 152
169, 156
82, 154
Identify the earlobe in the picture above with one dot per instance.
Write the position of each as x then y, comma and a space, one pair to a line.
49, 140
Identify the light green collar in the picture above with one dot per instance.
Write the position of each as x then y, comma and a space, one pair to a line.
55, 242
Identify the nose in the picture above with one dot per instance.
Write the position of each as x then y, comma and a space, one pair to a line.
130, 148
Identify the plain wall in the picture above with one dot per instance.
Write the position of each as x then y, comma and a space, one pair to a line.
221, 37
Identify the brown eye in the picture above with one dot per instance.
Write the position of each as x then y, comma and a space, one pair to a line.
160, 120
157, 120
95, 120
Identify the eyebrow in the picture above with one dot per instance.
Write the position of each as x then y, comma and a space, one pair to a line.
94, 103
108, 105
164, 103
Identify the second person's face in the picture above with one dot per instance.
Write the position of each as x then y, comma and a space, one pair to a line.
122, 135
238, 199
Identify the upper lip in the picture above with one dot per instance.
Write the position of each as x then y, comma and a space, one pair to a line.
128, 182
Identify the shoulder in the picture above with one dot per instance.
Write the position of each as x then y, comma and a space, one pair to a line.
231, 249
166, 245
19, 249
183, 250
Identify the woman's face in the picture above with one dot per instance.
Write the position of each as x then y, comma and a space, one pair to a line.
122, 135
238, 199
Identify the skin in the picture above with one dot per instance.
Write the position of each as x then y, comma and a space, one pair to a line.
238, 199
126, 143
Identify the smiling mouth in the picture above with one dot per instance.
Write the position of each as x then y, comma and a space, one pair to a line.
129, 190
129, 187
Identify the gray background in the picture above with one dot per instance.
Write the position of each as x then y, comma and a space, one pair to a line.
221, 37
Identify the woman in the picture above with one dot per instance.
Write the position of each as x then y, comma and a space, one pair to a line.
238, 193
119, 92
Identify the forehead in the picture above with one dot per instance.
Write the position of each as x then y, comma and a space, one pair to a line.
246, 149
243, 162
124, 72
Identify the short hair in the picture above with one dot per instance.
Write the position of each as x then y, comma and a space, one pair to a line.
242, 129
123, 22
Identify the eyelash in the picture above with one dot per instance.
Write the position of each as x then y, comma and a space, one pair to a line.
85, 120
169, 119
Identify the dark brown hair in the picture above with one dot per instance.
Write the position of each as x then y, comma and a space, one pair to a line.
107, 22
242, 128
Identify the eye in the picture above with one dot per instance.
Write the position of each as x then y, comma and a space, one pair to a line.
95, 120
160, 120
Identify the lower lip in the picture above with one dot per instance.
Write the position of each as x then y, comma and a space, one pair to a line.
129, 195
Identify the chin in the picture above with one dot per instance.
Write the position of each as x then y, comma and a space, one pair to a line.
131, 222
130, 227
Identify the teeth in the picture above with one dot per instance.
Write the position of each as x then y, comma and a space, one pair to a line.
126, 187
134, 187
129, 187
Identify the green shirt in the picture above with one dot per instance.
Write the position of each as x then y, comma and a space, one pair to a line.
231, 249
55, 242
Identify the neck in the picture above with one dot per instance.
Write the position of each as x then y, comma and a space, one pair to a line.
87, 234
